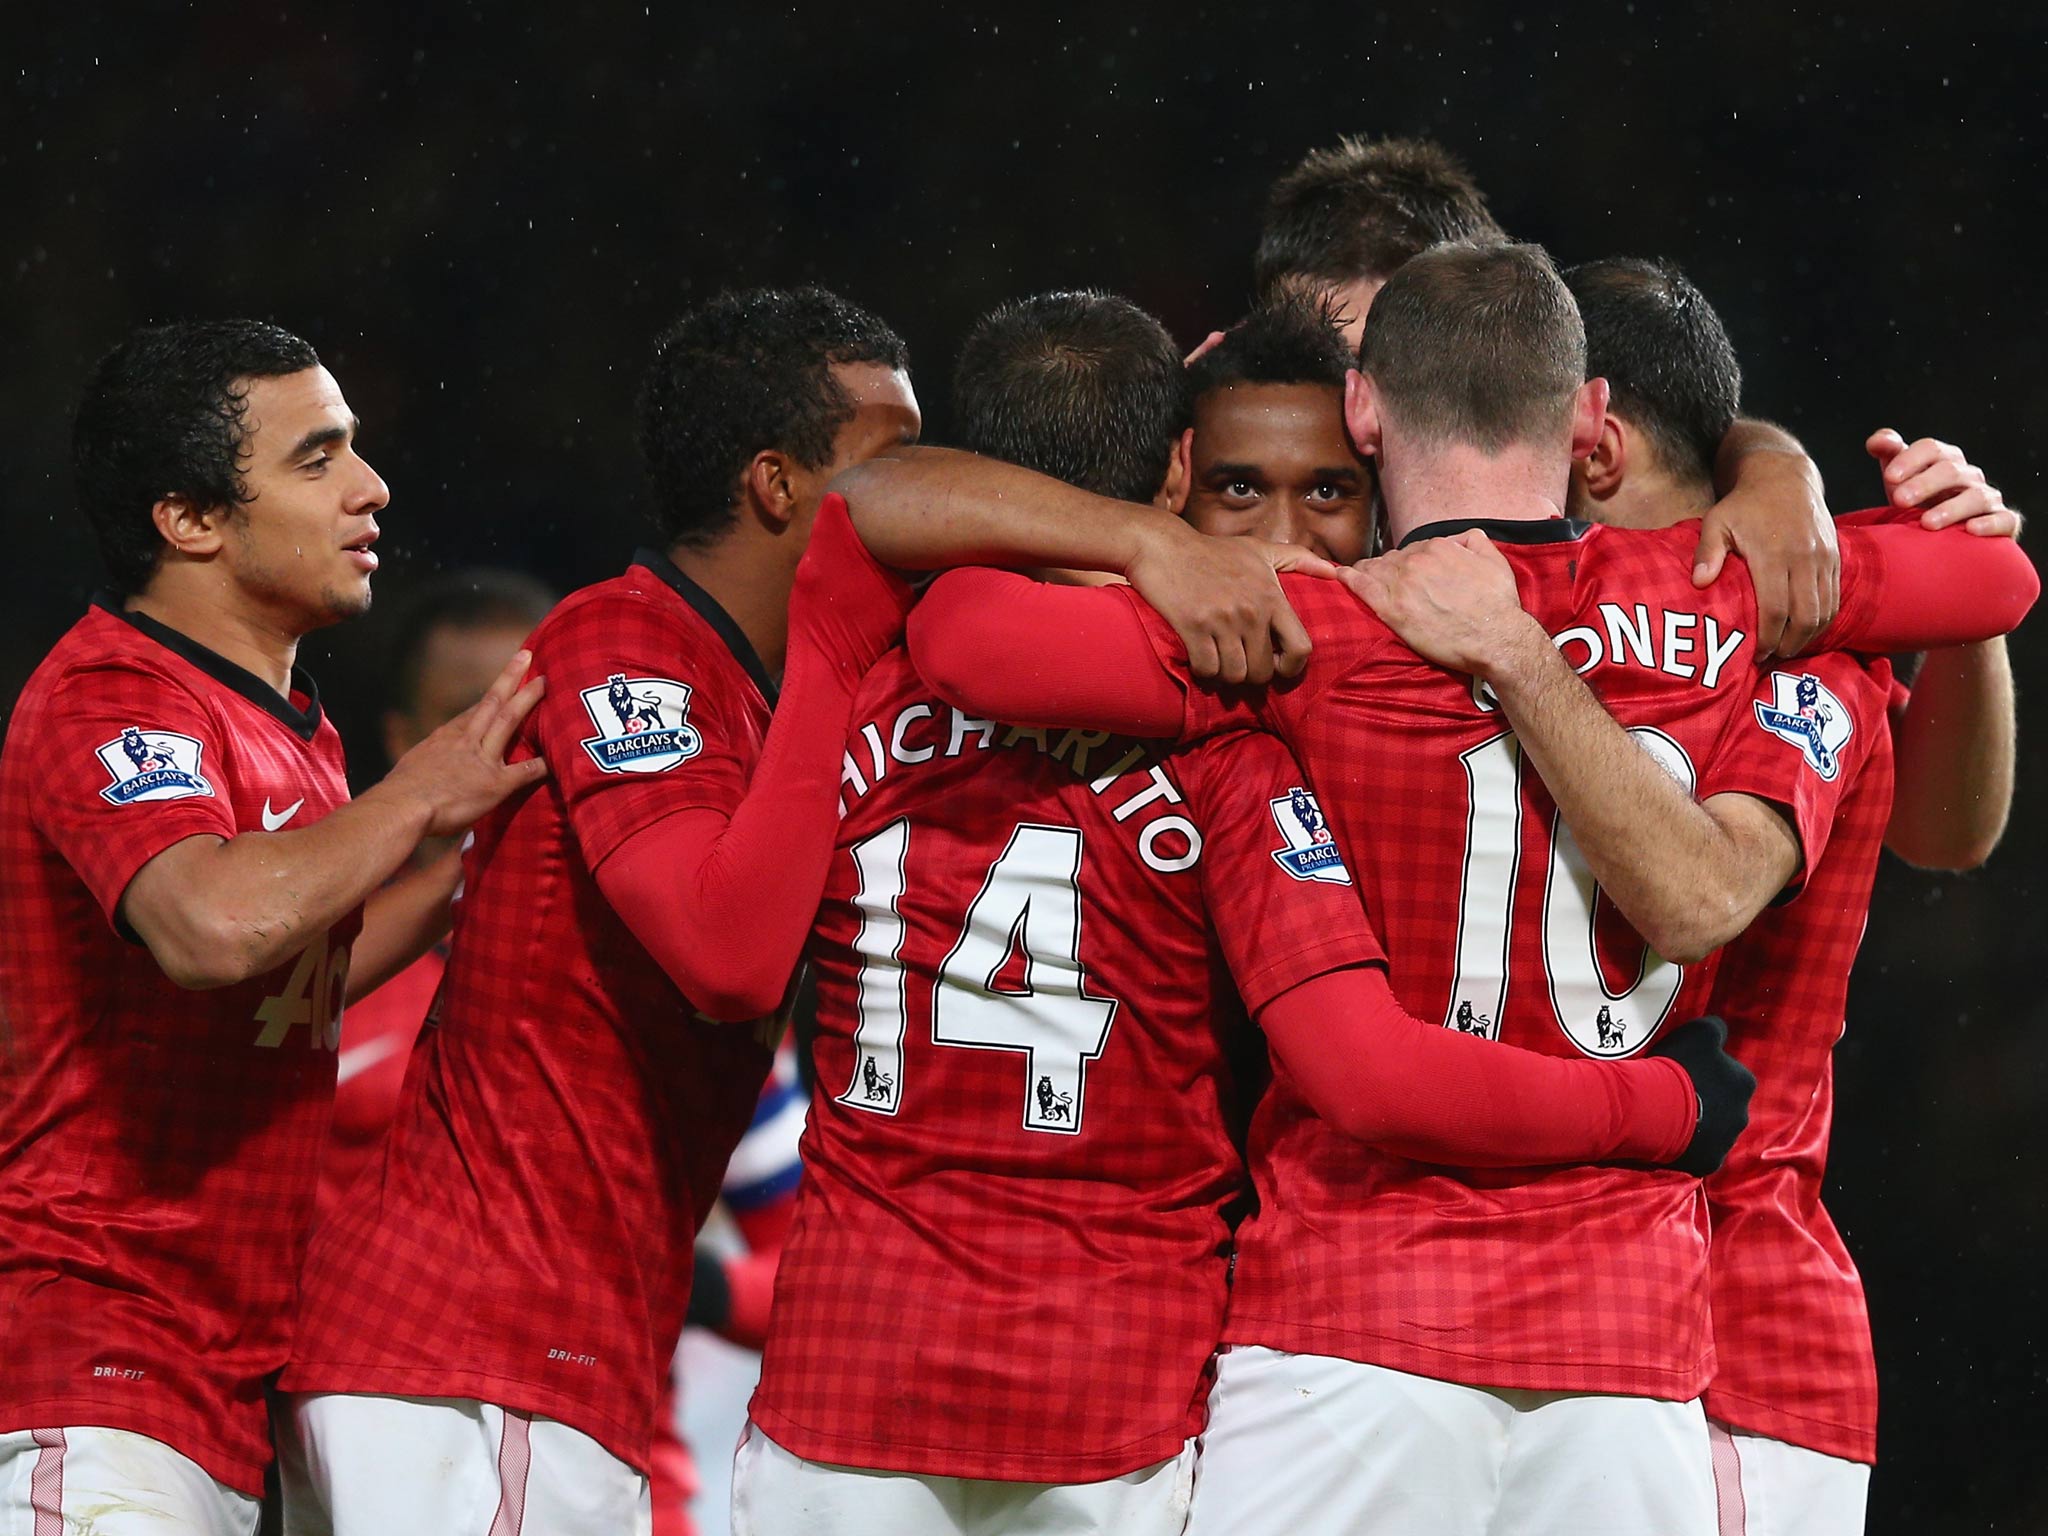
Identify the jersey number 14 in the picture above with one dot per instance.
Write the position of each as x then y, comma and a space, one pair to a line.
1029, 908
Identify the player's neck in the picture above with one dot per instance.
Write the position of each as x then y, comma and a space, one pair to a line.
751, 580
1652, 500
220, 616
1520, 483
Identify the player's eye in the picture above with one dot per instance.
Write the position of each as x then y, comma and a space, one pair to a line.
317, 463
1242, 490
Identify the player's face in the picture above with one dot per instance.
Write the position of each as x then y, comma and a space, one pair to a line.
1273, 461
301, 544
885, 416
457, 665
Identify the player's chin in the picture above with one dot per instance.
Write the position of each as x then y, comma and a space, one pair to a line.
349, 599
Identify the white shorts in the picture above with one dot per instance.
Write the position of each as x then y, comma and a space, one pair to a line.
113, 1482
360, 1465
1769, 1488
1307, 1445
775, 1493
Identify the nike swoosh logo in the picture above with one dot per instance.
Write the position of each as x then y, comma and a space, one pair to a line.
272, 823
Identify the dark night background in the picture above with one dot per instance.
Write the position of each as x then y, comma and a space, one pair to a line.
481, 215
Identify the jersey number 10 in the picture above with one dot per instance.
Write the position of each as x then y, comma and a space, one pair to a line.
1029, 907
1598, 1019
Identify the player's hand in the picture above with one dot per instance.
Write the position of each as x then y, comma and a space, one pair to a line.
1724, 1086
1223, 598
1453, 601
846, 605
1208, 344
1778, 522
459, 773
1934, 478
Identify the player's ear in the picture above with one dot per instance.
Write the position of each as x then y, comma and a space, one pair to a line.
769, 486
1589, 409
191, 530
1606, 466
1173, 489
1361, 414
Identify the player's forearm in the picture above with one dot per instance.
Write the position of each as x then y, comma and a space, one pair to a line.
724, 904
405, 918
931, 508
1955, 751
1662, 857
1377, 1073
1751, 449
216, 914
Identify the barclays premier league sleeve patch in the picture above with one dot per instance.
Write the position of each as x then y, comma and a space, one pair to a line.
1806, 714
642, 724
149, 766
1310, 851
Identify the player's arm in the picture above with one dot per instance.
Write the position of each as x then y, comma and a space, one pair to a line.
1956, 733
403, 919
932, 508
1377, 1073
216, 911
1773, 512
1688, 875
1956, 740
722, 896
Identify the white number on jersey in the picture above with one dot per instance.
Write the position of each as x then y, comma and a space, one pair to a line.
1028, 910
1597, 1019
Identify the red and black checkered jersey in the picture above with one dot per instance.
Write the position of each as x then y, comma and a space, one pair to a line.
159, 1148
1791, 1329
1568, 1279
1009, 1258
526, 1237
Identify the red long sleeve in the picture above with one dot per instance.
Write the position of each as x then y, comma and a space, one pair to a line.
724, 905
1007, 647
1379, 1074
1907, 589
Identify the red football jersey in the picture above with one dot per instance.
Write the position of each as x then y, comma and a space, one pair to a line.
1791, 1329
525, 1237
376, 1047
159, 1148
1589, 1279
1009, 1258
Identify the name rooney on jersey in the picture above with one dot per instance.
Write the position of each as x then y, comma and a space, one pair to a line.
1676, 643
1125, 772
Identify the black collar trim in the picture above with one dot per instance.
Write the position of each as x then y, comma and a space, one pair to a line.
1507, 530
302, 723
707, 609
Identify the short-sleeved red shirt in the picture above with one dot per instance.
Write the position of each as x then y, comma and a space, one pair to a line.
525, 1237
1588, 1279
1009, 1256
159, 1148
1791, 1329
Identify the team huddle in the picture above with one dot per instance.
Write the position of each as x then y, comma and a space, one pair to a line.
1329, 913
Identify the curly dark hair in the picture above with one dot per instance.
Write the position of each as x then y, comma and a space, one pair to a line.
1361, 207
162, 416
749, 370
1292, 338
1083, 386
1662, 349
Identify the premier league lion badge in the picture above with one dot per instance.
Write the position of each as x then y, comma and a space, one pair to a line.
1809, 717
152, 765
1311, 851
642, 724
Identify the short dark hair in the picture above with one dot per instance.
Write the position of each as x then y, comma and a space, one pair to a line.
1661, 348
1083, 386
747, 371
1360, 208
1476, 344
162, 416
1292, 338
462, 600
